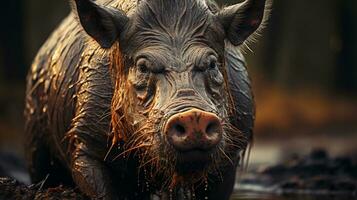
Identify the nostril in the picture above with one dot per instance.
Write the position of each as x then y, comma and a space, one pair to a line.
193, 129
179, 129
212, 128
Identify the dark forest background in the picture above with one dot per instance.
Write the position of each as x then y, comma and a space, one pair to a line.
304, 67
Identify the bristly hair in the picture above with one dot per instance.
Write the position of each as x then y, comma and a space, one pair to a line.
173, 16
169, 21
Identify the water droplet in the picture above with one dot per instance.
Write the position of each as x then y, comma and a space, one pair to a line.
44, 109
206, 185
147, 186
193, 195
170, 194
206, 188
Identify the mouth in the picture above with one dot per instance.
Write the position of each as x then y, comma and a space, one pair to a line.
193, 161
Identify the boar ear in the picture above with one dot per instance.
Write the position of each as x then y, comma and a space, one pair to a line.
242, 20
103, 24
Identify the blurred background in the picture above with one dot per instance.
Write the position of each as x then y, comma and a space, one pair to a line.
304, 72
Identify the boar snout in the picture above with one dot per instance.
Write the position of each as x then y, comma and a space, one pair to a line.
194, 130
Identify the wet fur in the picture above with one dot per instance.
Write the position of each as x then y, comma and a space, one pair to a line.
88, 84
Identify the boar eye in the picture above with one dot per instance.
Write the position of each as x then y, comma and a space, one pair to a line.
142, 65
213, 64
143, 68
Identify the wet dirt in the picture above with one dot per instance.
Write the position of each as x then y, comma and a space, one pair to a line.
315, 176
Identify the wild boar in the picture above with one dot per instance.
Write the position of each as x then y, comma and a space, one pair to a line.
143, 99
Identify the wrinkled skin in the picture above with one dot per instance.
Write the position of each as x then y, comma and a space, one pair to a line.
99, 96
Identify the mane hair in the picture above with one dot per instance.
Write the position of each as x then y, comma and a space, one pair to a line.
119, 128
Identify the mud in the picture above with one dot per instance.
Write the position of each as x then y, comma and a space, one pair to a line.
316, 173
12, 189
311, 175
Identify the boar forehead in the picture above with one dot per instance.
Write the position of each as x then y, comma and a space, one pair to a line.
173, 27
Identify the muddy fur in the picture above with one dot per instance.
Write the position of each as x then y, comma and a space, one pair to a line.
95, 118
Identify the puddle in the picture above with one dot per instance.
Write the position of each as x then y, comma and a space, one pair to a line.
317, 173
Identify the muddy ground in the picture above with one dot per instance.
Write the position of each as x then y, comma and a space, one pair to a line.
313, 174
12, 189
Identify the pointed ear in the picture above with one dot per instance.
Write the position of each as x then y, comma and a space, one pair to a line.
103, 24
241, 20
